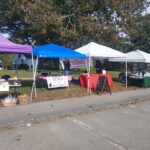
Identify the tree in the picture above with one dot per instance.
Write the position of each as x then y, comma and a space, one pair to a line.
27, 20
7, 60
140, 33
73, 23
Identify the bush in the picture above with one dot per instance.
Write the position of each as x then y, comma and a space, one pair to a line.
9, 67
23, 67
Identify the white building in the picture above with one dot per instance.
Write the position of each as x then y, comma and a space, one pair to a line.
22, 59
1, 65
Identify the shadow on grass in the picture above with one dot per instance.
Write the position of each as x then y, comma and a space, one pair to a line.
27, 83
76, 82
116, 80
3, 95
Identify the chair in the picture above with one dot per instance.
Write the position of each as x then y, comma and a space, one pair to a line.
122, 77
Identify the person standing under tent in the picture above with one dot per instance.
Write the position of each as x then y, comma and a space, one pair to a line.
99, 67
122, 76
67, 66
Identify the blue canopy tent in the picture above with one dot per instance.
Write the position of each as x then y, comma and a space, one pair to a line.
56, 51
52, 51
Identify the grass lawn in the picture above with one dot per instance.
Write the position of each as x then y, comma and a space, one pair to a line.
43, 94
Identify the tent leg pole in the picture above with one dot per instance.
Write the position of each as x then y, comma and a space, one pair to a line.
88, 75
34, 84
31, 97
32, 78
89, 89
126, 74
88, 86
35, 89
35, 76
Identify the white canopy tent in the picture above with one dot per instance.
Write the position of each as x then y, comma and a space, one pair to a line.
98, 51
134, 56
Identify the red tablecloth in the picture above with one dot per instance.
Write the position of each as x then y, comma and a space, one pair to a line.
93, 80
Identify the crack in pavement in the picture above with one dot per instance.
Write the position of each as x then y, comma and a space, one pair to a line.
116, 144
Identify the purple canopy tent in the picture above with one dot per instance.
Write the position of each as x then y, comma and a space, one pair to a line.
7, 46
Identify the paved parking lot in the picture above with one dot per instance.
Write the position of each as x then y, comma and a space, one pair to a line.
125, 128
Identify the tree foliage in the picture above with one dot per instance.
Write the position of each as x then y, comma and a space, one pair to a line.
77, 22
7, 59
140, 34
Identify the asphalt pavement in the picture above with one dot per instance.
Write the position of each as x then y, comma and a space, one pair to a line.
125, 128
22, 115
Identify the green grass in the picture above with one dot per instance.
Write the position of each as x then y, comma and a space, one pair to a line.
28, 74
114, 75
13, 73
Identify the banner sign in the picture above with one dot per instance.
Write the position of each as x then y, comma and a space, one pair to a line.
4, 86
78, 63
57, 81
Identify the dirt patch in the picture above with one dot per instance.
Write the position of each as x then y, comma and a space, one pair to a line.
61, 93
6, 127
74, 90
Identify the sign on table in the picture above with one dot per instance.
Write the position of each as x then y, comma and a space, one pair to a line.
4, 86
57, 81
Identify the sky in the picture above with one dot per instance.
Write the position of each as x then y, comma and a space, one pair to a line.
147, 10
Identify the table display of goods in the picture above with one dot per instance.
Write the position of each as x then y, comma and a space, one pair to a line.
9, 101
14, 81
23, 99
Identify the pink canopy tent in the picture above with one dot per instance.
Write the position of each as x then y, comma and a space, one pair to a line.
7, 46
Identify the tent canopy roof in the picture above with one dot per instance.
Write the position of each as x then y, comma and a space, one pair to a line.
7, 46
56, 51
135, 56
96, 50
